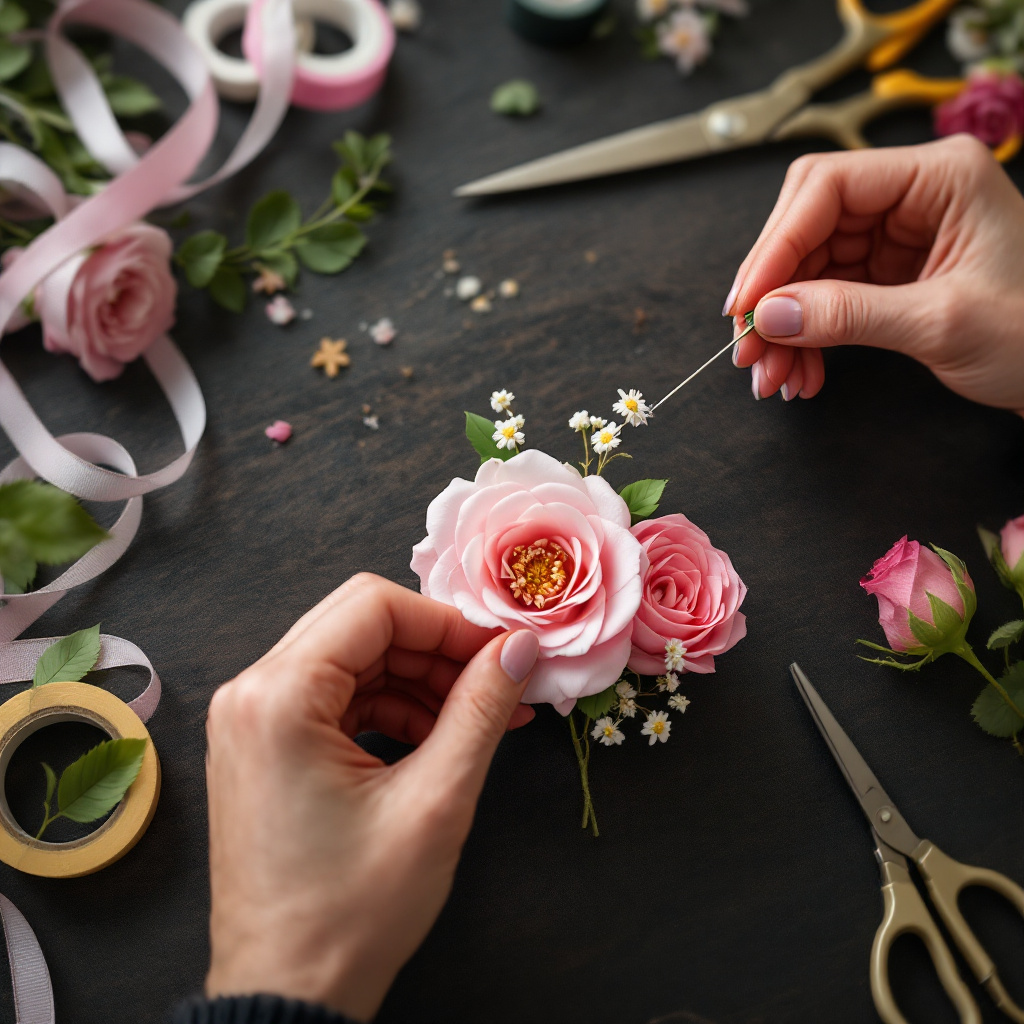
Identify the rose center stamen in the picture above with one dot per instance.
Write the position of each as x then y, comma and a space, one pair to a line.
539, 572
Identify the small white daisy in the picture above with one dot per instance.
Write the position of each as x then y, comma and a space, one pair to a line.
679, 702
632, 407
684, 36
606, 438
627, 707
623, 689
280, 311
657, 727
605, 731
596, 423
501, 401
520, 420
507, 433
675, 652
579, 420
671, 682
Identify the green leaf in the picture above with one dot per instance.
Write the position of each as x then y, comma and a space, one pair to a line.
13, 59
360, 212
597, 705
749, 317
946, 618
479, 431
377, 151
518, 98
35, 82
52, 525
95, 783
994, 552
227, 289
924, 632
283, 263
959, 570
17, 566
989, 541
12, 18
51, 786
271, 220
1008, 633
330, 249
342, 188
992, 713
352, 150
201, 256
69, 659
130, 98
642, 497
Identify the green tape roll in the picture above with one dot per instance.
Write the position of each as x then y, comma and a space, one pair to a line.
554, 22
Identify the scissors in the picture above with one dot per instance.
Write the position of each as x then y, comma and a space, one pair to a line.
779, 112
905, 910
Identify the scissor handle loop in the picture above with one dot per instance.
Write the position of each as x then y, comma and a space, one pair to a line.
946, 879
906, 914
904, 28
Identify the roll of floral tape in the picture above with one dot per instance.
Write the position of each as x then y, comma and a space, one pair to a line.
555, 22
207, 22
334, 81
31, 710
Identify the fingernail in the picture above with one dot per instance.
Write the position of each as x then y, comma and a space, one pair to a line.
519, 655
786, 396
755, 380
779, 316
731, 298
735, 355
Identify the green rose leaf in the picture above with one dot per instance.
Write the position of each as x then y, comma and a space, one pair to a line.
479, 430
518, 98
12, 18
201, 256
96, 782
271, 220
642, 498
360, 212
992, 713
227, 289
130, 98
69, 659
283, 263
330, 249
13, 59
378, 151
597, 705
352, 151
994, 553
342, 187
1006, 634
17, 566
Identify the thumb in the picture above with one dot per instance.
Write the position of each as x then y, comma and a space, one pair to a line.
476, 712
825, 313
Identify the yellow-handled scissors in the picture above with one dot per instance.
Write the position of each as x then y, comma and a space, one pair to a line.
905, 910
778, 112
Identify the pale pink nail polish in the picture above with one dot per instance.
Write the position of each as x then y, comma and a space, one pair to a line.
735, 355
731, 298
755, 380
519, 655
779, 317
786, 396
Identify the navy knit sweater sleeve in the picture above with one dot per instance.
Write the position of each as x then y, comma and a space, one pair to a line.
258, 1009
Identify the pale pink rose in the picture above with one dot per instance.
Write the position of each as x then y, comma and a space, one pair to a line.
531, 528
692, 594
1011, 542
902, 579
120, 300
991, 107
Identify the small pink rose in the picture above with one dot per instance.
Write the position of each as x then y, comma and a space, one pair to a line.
119, 300
531, 544
383, 332
691, 593
279, 431
1011, 543
280, 311
901, 580
990, 107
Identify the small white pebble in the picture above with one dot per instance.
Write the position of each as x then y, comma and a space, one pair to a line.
468, 288
372, 422
451, 266
509, 288
481, 304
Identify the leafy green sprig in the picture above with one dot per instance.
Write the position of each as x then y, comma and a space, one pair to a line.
278, 239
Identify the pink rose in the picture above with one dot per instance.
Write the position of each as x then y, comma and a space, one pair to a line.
691, 593
1011, 542
991, 107
111, 304
531, 544
902, 579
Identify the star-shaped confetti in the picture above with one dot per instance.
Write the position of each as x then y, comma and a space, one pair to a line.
331, 356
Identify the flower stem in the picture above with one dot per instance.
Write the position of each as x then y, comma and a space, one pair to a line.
581, 744
967, 653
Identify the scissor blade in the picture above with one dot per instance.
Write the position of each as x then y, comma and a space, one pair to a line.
663, 142
874, 801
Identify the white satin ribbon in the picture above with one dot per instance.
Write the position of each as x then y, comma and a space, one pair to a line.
33, 994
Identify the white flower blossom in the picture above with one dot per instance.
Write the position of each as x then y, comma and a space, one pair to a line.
520, 420
605, 731
657, 727
623, 689
579, 420
606, 438
671, 682
596, 423
383, 331
675, 652
632, 407
679, 702
280, 311
684, 36
627, 707
468, 288
501, 401
507, 433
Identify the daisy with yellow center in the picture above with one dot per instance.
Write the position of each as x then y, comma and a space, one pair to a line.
657, 727
538, 573
507, 433
605, 731
606, 438
632, 407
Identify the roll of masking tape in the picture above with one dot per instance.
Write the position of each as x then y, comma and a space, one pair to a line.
555, 22
207, 22
334, 81
33, 709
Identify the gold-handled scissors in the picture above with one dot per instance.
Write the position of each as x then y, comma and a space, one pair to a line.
778, 112
905, 911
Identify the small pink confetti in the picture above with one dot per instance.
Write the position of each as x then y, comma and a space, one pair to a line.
280, 311
279, 431
383, 331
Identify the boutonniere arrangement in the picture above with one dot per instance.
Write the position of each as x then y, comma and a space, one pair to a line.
926, 601
623, 604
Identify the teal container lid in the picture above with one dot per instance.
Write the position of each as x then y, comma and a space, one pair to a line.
554, 22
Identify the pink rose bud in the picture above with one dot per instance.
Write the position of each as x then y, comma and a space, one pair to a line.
916, 590
991, 108
1011, 543
279, 431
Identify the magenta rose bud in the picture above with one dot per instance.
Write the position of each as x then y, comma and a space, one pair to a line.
691, 594
902, 581
990, 107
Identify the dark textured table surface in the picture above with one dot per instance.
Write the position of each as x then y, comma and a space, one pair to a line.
734, 879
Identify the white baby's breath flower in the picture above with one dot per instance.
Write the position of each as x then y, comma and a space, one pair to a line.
632, 407
675, 652
520, 420
671, 682
684, 36
623, 689
596, 423
607, 732
606, 438
507, 433
501, 401
627, 707
579, 420
657, 727
679, 702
